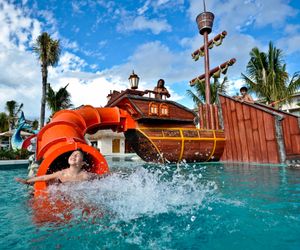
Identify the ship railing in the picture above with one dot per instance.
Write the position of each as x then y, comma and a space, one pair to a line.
209, 117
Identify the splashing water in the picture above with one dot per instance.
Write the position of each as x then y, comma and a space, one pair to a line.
145, 206
142, 192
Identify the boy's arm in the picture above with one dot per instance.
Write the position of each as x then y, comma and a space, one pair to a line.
249, 99
47, 177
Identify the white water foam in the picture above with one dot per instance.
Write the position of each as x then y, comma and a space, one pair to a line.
142, 192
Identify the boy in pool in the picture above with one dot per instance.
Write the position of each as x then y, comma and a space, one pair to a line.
71, 174
245, 97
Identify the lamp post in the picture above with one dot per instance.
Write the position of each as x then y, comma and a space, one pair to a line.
205, 22
134, 80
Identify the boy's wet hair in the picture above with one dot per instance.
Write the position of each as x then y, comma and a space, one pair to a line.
80, 150
244, 89
84, 156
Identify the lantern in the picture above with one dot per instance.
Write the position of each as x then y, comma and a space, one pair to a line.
134, 80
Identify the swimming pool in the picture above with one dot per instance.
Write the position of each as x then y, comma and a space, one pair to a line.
145, 206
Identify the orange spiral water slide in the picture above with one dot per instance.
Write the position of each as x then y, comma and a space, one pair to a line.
65, 133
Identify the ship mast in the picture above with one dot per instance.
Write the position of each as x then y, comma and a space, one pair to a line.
205, 22
207, 112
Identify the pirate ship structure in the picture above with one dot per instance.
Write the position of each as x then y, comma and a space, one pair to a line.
160, 130
254, 132
165, 131
231, 131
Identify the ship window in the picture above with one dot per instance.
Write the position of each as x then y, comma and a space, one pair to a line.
164, 110
153, 109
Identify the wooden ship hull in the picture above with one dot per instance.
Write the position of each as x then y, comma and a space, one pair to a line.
165, 130
176, 144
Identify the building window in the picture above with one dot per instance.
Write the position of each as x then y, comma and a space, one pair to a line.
153, 108
116, 145
164, 110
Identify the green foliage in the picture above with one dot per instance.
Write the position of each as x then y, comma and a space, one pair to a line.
13, 108
47, 49
9, 154
58, 100
216, 87
266, 75
3, 122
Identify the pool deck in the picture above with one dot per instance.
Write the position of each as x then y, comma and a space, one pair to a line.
13, 162
132, 156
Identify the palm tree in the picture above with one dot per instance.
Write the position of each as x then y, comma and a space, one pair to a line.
48, 51
13, 108
216, 87
266, 75
58, 100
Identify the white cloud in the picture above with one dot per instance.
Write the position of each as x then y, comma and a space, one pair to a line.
19, 67
234, 86
292, 28
150, 61
94, 66
89, 91
154, 60
77, 7
20, 77
102, 43
290, 43
49, 22
21, 81
140, 23
236, 17
67, 44
161, 2
16, 27
274, 12
144, 8
69, 61
236, 14
159, 5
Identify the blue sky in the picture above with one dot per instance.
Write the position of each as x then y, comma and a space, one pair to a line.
102, 41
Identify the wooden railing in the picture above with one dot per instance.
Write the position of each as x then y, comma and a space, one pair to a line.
208, 117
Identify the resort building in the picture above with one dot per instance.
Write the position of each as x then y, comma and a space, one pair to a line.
108, 142
294, 106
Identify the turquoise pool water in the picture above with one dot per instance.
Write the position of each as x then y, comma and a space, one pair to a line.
145, 206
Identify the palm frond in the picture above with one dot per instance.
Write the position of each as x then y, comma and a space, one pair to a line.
266, 75
58, 100
197, 101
